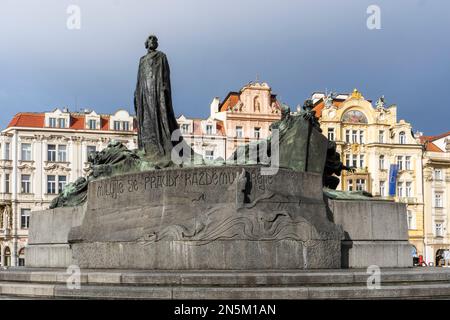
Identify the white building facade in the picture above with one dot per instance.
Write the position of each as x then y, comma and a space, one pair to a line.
39, 154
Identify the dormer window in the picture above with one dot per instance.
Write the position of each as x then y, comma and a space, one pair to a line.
121, 126
57, 119
116, 125
402, 137
52, 122
209, 129
92, 124
184, 128
62, 122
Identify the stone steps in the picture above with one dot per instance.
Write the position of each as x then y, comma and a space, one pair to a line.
312, 284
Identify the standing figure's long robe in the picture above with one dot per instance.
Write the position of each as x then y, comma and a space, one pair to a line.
153, 105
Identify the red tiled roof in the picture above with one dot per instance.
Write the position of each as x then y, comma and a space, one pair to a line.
77, 121
427, 141
104, 123
230, 101
321, 104
430, 146
28, 119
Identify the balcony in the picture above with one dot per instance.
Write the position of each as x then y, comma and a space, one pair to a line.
5, 232
5, 197
408, 200
5, 164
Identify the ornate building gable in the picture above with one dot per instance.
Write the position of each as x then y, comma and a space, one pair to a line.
254, 98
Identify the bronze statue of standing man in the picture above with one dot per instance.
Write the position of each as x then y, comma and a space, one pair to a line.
153, 103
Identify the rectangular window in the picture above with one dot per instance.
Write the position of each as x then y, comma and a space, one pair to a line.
26, 151
347, 136
408, 190
350, 185
62, 181
438, 229
382, 188
400, 163
360, 184
438, 203
209, 129
361, 161
354, 136
126, 126
25, 183
438, 174
361, 136
116, 125
400, 189
331, 134
51, 153
209, 155
92, 124
62, 122
7, 183
184, 128
408, 163
90, 150
411, 220
381, 136
6, 151
239, 132
51, 184
347, 160
52, 122
25, 218
257, 133
62, 153
354, 160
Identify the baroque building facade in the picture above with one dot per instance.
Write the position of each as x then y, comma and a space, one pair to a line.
39, 154
370, 138
436, 164
242, 117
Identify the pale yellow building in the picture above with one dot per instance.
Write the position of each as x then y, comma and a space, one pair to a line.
436, 164
370, 138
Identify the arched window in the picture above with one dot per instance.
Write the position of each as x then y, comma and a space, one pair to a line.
381, 163
7, 254
354, 116
22, 257
402, 137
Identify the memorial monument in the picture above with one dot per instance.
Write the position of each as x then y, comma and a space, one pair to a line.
263, 209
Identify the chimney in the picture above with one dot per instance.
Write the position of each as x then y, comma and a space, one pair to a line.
214, 107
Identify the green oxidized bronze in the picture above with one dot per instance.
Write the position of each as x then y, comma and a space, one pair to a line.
301, 145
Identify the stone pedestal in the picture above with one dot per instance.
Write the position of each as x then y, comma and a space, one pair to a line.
48, 244
376, 233
227, 218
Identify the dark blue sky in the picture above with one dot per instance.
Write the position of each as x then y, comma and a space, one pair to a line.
214, 46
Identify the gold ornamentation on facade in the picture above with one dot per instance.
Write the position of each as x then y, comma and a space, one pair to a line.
356, 94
